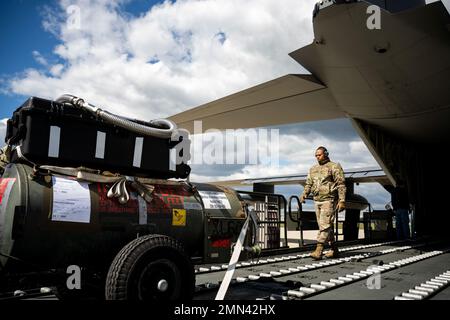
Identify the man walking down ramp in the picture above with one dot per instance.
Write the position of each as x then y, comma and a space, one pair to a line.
326, 182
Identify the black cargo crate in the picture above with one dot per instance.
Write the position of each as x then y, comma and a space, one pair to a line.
50, 133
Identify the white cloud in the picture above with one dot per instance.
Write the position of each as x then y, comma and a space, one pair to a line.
296, 153
179, 55
39, 58
56, 69
175, 56
297, 156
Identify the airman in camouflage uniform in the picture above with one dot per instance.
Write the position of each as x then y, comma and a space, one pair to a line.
326, 182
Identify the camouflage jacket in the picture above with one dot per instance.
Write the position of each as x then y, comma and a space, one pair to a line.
326, 182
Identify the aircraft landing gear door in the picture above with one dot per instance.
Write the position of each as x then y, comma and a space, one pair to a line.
296, 216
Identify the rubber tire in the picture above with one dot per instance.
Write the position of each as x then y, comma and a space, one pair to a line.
147, 256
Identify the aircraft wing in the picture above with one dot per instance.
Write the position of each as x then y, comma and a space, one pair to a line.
288, 99
358, 175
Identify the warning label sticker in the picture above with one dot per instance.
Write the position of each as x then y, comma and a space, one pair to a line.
215, 200
179, 217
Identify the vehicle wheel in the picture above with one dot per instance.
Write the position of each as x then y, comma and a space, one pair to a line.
152, 267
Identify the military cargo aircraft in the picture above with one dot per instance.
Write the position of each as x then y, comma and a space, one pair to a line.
392, 81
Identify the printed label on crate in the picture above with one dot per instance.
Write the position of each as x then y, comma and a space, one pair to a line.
215, 200
71, 201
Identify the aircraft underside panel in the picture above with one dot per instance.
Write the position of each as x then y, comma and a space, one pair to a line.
396, 76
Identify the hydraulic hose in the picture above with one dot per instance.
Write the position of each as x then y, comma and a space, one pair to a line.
160, 128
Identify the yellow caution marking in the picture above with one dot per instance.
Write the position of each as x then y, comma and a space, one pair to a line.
179, 217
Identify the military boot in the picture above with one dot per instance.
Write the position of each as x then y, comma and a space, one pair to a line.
317, 254
334, 252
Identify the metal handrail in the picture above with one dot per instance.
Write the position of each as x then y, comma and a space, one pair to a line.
298, 220
299, 210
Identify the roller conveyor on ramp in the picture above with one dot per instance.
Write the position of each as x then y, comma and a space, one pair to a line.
274, 267
427, 289
352, 276
394, 278
404, 268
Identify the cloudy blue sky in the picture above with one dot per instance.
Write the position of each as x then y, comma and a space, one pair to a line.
151, 59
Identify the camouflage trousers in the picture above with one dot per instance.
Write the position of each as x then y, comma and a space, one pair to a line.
325, 214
